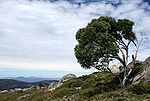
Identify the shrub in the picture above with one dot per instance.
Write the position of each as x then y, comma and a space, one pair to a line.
89, 92
138, 67
61, 92
73, 83
141, 88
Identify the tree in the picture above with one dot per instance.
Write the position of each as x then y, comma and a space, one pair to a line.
104, 40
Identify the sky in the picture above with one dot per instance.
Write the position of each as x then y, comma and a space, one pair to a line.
37, 37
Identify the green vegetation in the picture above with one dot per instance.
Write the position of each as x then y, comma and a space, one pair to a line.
141, 88
30, 95
137, 68
104, 40
98, 86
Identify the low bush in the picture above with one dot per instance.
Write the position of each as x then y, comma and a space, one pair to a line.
138, 68
73, 83
89, 92
60, 93
141, 88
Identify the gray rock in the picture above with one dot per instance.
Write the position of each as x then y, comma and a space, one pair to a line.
23, 97
12, 90
144, 75
18, 89
4, 91
78, 88
25, 89
54, 85
147, 61
37, 87
115, 70
67, 77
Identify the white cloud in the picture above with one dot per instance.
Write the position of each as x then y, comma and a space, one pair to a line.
41, 34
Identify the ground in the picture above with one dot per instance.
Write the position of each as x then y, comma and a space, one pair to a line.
98, 86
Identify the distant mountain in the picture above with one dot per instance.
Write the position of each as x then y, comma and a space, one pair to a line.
30, 79
10, 84
6, 84
33, 79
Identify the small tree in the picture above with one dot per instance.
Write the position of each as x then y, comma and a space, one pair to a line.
104, 40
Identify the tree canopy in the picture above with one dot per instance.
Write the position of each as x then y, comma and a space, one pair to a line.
103, 40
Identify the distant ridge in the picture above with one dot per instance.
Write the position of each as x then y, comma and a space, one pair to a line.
7, 84
30, 79
33, 79
10, 84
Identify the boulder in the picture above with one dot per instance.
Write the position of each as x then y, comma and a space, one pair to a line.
54, 85
4, 91
67, 77
115, 70
144, 75
18, 89
37, 87
147, 61
23, 97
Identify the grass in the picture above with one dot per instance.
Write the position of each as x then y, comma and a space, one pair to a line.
99, 86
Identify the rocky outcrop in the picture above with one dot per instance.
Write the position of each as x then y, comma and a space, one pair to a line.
23, 97
67, 77
4, 91
144, 75
115, 70
54, 85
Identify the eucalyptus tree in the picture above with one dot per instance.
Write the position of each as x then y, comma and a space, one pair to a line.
104, 40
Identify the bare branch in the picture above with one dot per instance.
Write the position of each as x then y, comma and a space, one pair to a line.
138, 44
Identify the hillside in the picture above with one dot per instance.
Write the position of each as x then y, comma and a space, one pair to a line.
98, 86
10, 84
6, 84
94, 87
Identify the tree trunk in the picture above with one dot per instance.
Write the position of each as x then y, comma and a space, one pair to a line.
123, 81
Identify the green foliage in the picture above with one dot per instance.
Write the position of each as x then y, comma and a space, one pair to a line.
141, 88
93, 79
73, 83
88, 92
122, 94
97, 79
125, 26
137, 68
100, 88
34, 95
62, 92
89, 85
99, 41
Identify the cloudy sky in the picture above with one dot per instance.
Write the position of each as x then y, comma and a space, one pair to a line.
37, 37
